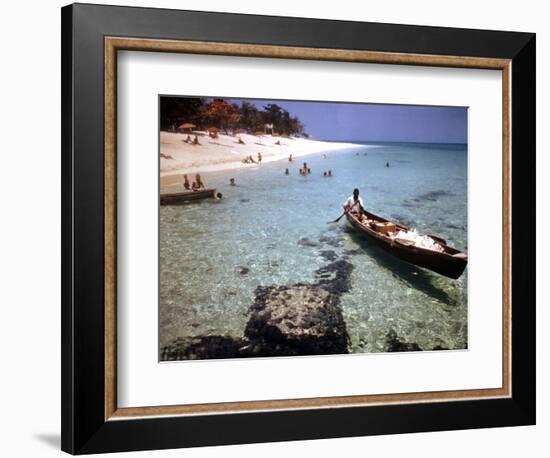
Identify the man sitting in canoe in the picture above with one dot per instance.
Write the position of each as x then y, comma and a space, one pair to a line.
354, 204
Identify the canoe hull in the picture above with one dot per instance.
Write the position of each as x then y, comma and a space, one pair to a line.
446, 263
187, 196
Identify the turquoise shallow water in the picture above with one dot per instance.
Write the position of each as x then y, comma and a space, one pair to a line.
272, 229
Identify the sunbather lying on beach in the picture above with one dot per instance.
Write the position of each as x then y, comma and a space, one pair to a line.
249, 160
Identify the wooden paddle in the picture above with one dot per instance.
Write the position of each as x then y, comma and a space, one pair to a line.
337, 219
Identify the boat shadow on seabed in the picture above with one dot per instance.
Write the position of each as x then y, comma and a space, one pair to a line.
413, 276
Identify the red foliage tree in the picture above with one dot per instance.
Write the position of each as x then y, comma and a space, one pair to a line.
221, 114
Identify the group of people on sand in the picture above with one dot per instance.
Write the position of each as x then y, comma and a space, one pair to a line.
250, 159
195, 141
197, 184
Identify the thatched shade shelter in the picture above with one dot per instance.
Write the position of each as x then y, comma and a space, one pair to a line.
186, 126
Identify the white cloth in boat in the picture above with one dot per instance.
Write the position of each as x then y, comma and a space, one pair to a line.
419, 240
353, 205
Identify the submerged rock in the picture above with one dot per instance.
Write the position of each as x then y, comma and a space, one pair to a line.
300, 319
353, 252
329, 255
433, 196
409, 204
304, 241
243, 270
291, 320
336, 276
332, 241
454, 226
394, 344
205, 347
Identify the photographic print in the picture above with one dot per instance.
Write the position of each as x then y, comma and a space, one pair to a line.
294, 228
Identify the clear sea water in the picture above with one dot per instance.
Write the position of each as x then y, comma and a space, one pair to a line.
266, 232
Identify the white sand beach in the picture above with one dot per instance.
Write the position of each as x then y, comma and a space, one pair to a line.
225, 152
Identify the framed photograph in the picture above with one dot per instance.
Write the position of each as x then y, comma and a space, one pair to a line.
281, 228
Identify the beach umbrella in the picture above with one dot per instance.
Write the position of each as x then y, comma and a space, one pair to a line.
213, 129
186, 126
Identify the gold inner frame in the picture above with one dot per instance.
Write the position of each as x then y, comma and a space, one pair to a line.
114, 44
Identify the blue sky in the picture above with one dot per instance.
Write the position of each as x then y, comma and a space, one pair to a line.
373, 122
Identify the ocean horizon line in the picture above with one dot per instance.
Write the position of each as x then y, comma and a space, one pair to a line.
375, 142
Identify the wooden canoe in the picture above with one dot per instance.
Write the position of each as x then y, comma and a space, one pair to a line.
186, 196
450, 262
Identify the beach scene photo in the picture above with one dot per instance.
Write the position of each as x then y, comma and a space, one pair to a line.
296, 228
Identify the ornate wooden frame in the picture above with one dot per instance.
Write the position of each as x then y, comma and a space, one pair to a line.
92, 422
